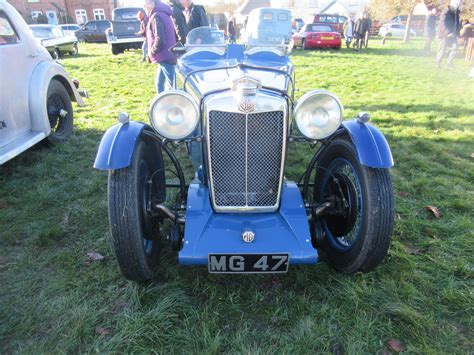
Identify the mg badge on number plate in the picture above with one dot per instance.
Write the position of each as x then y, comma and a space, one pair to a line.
247, 105
248, 236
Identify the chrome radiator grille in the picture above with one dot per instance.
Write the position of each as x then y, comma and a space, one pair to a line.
245, 156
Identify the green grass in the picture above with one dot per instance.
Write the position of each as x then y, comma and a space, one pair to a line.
53, 211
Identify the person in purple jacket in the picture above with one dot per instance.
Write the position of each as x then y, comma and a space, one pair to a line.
160, 37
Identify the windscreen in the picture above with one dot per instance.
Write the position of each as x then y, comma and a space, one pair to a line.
126, 14
41, 32
318, 28
205, 36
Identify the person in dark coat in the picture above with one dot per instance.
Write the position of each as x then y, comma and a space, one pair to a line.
231, 32
360, 28
430, 28
160, 37
186, 17
448, 30
367, 33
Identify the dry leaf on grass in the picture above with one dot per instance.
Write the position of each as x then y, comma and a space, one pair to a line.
435, 211
4, 204
102, 331
403, 194
472, 155
396, 345
93, 257
414, 250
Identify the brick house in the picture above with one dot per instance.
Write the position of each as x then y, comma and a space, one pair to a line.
64, 11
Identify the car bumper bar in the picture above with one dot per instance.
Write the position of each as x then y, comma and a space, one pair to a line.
284, 231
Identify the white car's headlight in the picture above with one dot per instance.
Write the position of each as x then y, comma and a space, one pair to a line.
174, 114
318, 114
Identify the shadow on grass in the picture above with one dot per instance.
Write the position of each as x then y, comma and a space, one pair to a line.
344, 52
400, 108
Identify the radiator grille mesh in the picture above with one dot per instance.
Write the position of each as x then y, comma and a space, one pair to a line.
246, 153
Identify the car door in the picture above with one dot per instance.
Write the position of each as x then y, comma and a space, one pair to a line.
17, 61
89, 29
102, 27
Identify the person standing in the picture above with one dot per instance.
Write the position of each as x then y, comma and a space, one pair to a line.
348, 30
430, 28
143, 21
231, 32
448, 30
160, 37
186, 17
369, 28
360, 28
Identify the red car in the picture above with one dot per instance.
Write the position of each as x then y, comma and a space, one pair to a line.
317, 36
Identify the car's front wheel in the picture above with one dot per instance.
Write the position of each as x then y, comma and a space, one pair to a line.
133, 227
60, 112
357, 229
75, 49
56, 54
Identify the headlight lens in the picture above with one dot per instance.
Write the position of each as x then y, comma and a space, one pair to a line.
318, 114
174, 114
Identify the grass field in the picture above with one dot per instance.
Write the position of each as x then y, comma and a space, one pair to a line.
53, 211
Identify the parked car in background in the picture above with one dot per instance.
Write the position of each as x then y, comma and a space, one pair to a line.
122, 34
55, 41
268, 25
394, 30
417, 22
335, 21
235, 106
70, 29
93, 31
317, 36
35, 91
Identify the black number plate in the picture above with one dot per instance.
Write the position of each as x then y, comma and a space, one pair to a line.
248, 263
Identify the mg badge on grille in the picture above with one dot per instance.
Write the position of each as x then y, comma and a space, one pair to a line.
247, 105
248, 236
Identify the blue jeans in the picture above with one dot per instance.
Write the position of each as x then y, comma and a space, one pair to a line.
144, 50
165, 73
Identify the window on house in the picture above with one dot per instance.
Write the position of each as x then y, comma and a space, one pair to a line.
7, 32
81, 16
35, 14
99, 14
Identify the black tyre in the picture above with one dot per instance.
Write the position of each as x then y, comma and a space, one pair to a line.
60, 112
357, 235
116, 49
134, 230
75, 49
56, 54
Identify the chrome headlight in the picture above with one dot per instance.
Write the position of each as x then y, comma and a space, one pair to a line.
318, 114
174, 114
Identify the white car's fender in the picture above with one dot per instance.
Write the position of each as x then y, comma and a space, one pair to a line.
38, 90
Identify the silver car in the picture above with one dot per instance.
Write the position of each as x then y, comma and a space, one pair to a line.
35, 91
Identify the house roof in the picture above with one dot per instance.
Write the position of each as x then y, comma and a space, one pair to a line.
249, 5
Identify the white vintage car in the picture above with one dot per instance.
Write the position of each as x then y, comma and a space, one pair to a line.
35, 91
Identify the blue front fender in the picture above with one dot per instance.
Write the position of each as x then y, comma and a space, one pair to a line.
372, 147
117, 145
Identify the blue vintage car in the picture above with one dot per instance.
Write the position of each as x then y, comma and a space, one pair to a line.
234, 107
